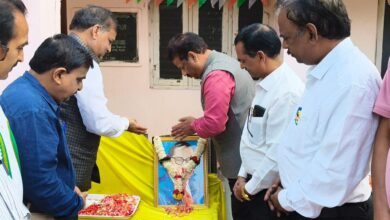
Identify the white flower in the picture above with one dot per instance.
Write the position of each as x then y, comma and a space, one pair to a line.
179, 173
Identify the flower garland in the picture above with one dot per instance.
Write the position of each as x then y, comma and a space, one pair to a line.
179, 174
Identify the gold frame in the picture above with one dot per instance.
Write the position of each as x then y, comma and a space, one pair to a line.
205, 173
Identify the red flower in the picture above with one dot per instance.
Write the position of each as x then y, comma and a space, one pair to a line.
195, 159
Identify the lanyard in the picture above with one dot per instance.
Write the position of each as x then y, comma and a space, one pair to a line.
4, 157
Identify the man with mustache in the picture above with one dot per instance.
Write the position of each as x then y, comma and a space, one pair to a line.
277, 92
86, 113
13, 38
31, 104
324, 154
226, 95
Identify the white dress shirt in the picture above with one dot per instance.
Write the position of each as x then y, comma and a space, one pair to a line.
11, 185
92, 104
278, 94
325, 151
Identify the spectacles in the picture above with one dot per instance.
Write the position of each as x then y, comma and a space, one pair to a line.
250, 114
3, 51
180, 160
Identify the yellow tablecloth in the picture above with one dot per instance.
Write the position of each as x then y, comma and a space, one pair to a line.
126, 166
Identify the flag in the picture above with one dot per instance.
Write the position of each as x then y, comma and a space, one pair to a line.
179, 2
191, 3
240, 2
251, 3
231, 3
201, 3
158, 2
213, 2
221, 3
169, 2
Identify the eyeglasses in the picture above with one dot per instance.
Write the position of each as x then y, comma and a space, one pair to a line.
3, 51
250, 114
180, 160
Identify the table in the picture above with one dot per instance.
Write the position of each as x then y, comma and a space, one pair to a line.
126, 166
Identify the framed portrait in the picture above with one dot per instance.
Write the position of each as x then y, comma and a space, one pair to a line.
175, 172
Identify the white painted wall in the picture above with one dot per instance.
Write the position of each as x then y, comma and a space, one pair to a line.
43, 17
128, 88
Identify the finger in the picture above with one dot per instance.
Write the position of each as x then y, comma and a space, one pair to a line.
271, 205
268, 194
139, 127
179, 137
238, 197
183, 119
176, 127
141, 130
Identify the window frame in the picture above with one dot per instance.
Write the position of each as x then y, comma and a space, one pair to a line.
190, 23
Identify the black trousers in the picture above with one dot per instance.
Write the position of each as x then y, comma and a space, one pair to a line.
256, 209
348, 211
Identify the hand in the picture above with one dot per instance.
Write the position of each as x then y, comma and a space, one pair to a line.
270, 191
183, 129
135, 127
237, 188
275, 202
83, 195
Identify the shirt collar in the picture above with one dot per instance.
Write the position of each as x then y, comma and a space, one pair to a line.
42, 91
331, 58
272, 79
86, 48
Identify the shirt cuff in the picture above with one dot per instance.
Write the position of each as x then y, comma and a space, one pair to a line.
282, 197
195, 128
252, 186
124, 124
242, 172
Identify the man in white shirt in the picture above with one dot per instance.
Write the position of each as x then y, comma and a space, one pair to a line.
13, 38
277, 92
86, 113
324, 154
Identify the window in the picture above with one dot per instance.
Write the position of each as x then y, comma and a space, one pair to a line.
217, 27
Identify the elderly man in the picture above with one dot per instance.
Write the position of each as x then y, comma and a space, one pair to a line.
226, 94
31, 104
86, 113
13, 38
258, 50
325, 151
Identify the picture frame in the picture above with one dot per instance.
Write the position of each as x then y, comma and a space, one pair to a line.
197, 183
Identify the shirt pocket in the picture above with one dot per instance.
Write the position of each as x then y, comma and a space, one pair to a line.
256, 130
306, 135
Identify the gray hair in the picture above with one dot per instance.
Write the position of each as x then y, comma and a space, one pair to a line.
92, 15
329, 16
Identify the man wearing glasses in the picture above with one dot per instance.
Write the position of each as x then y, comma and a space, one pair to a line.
13, 37
86, 113
226, 94
324, 154
258, 50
